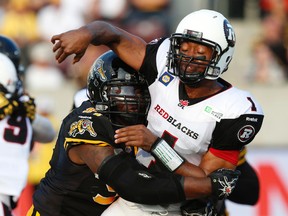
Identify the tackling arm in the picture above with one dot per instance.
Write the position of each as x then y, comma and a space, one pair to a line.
136, 183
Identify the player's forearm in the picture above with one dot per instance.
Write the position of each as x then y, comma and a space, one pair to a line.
197, 187
130, 48
188, 169
102, 33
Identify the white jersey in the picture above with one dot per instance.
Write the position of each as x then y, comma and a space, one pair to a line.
191, 128
15, 146
227, 120
79, 97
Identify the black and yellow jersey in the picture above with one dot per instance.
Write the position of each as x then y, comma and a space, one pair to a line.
68, 188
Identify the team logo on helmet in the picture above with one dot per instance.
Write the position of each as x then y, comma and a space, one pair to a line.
79, 127
100, 70
229, 33
245, 133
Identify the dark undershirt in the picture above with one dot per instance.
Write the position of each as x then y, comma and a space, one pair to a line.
183, 94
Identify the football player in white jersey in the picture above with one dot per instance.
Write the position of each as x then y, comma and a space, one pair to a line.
196, 117
19, 128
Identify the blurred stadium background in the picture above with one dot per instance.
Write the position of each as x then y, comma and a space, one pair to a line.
32, 22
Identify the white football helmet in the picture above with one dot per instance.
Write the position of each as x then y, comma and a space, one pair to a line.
208, 28
9, 81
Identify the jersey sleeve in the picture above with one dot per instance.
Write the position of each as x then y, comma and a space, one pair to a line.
234, 134
149, 68
241, 123
92, 128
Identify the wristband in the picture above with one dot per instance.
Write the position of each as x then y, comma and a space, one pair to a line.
162, 151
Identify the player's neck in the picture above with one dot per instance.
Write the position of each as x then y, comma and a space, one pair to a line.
203, 89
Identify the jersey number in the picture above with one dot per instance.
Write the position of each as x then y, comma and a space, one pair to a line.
253, 108
16, 131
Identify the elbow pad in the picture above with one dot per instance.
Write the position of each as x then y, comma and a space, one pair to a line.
135, 183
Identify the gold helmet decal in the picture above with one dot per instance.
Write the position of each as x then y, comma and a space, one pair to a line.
80, 127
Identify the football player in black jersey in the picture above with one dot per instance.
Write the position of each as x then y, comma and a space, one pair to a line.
86, 175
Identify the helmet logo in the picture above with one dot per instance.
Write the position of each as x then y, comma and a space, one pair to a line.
100, 70
229, 33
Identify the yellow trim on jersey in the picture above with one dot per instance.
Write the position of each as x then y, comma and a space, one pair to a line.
104, 200
136, 149
242, 158
32, 212
84, 141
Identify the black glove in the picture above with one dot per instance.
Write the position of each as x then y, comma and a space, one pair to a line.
27, 107
7, 106
223, 182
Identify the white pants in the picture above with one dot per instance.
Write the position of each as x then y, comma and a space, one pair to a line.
123, 207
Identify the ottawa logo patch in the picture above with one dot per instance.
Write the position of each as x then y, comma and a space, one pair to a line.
246, 133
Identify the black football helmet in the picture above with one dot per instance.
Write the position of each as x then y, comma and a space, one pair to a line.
118, 91
9, 48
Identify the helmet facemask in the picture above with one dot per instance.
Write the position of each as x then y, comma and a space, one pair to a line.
178, 62
125, 103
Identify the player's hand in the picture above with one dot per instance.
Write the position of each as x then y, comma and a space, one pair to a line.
27, 106
135, 135
7, 106
223, 182
71, 42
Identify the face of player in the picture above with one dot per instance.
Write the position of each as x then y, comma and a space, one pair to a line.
131, 103
130, 99
195, 57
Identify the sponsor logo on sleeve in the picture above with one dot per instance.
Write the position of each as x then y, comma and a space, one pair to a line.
213, 113
166, 78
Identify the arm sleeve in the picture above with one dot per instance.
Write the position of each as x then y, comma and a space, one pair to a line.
234, 134
134, 183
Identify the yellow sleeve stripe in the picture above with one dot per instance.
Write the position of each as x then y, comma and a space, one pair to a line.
242, 158
74, 141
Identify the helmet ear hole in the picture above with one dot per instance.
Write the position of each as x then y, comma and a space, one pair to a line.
228, 59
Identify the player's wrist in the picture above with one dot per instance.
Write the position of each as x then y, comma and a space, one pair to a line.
164, 153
